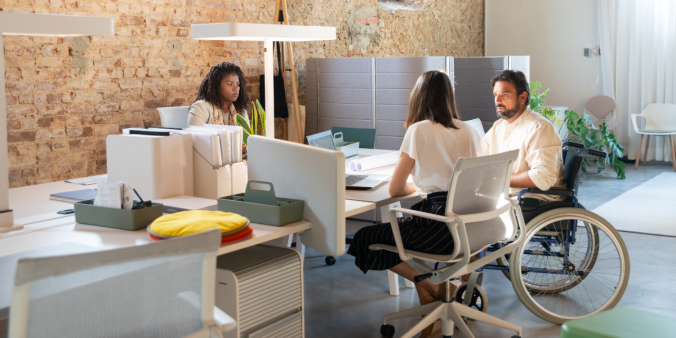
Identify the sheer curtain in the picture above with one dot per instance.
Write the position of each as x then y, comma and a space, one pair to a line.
638, 64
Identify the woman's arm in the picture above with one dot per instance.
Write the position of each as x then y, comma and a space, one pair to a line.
399, 185
199, 114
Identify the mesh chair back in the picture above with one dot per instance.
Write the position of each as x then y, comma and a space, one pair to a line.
365, 136
481, 184
153, 290
174, 117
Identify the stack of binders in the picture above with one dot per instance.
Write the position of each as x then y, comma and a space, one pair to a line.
218, 165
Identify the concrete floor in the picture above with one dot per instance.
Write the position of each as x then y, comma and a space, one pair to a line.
342, 302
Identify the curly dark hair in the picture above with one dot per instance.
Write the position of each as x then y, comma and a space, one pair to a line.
516, 78
210, 88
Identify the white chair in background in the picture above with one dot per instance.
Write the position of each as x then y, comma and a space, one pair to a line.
174, 117
163, 289
602, 109
660, 120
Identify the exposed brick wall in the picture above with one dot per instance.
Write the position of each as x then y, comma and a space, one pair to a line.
65, 95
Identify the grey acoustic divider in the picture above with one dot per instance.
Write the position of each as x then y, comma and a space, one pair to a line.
374, 92
395, 78
311, 113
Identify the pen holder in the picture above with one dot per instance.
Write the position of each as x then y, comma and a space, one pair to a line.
263, 206
88, 213
348, 148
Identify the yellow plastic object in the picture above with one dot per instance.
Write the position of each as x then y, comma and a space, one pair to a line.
193, 221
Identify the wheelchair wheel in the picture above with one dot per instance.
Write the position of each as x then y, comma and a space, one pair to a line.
559, 276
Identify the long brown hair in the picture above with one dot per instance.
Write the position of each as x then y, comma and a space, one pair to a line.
432, 99
210, 88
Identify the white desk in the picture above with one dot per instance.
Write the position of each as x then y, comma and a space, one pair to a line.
380, 197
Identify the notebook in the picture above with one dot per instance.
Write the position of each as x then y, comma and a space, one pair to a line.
74, 196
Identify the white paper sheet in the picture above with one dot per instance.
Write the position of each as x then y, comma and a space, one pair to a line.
375, 161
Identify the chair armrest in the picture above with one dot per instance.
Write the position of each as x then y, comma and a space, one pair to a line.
438, 218
225, 323
633, 121
556, 191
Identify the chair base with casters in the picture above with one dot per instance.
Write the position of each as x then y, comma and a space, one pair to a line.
479, 213
450, 310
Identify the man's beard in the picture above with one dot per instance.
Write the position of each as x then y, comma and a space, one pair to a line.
508, 113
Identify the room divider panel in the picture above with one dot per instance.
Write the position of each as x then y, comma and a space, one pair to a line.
374, 92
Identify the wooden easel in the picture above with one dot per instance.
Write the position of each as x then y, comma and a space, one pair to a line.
280, 17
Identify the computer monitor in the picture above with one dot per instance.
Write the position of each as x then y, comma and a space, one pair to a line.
322, 140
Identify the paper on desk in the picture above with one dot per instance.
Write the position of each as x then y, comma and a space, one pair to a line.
89, 180
375, 161
118, 195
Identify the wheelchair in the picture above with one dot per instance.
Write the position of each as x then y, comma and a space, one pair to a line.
573, 262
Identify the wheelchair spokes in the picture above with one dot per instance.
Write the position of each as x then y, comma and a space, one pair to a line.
561, 277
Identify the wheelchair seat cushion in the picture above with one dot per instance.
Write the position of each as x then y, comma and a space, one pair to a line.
529, 212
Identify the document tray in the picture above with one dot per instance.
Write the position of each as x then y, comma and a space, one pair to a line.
348, 148
263, 207
88, 213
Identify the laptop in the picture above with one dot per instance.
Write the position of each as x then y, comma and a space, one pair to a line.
353, 182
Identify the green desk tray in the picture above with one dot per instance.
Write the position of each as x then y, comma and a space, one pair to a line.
263, 207
620, 323
348, 148
88, 213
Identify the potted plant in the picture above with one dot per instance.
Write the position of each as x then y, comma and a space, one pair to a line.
581, 130
257, 114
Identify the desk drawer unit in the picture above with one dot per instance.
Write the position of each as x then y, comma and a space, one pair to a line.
262, 288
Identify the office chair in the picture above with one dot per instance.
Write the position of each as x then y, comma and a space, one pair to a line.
174, 117
479, 213
163, 289
365, 136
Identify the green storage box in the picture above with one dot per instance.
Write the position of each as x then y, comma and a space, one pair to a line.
88, 213
263, 207
620, 323
348, 148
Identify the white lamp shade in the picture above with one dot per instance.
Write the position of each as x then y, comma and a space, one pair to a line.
55, 25
260, 32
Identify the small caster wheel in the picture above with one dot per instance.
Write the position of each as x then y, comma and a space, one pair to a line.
387, 330
330, 260
516, 336
479, 299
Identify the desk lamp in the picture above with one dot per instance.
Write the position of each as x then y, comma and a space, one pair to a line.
266, 33
34, 24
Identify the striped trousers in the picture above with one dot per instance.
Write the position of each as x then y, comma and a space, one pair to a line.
419, 234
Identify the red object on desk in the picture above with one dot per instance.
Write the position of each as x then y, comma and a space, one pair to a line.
244, 233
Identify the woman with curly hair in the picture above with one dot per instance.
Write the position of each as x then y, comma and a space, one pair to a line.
221, 96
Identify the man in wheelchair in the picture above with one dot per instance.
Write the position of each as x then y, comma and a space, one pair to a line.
539, 167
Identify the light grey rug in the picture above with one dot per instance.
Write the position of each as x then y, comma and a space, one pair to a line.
649, 208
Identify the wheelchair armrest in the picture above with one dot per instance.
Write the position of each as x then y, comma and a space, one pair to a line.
557, 191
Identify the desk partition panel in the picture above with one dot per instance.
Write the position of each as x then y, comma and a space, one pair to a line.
374, 92
395, 78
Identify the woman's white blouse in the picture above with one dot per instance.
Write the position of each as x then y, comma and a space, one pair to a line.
435, 150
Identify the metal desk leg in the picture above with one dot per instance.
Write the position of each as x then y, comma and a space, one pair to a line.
392, 277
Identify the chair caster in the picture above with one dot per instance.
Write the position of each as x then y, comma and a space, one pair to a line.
516, 336
387, 330
330, 260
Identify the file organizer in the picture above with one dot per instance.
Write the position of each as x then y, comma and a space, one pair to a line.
261, 287
88, 213
263, 207
156, 166
214, 182
348, 148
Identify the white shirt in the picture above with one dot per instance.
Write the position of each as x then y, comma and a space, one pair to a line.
435, 150
539, 148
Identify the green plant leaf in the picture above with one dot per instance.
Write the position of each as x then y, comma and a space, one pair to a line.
255, 120
261, 115
242, 122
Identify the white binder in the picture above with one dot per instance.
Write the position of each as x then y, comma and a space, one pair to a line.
225, 138
208, 145
237, 137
